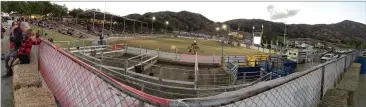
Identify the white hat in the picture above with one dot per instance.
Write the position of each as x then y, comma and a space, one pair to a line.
24, 25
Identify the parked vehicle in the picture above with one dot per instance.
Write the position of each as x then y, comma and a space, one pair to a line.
363, 53
300, 55
328, 57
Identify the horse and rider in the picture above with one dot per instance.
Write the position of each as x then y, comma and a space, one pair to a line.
193, 48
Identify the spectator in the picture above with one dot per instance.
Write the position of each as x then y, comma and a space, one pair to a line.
18, 36
14, 26
2, 46
26, 47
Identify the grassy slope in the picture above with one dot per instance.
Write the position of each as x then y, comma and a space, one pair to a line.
207, 47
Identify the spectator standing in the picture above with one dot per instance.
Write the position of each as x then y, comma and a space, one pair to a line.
14, 26
2, 45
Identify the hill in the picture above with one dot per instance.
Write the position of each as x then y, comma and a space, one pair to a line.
347, 32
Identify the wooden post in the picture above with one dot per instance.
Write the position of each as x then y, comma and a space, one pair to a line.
140, 50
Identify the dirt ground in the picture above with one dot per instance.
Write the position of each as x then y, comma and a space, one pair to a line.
207, 47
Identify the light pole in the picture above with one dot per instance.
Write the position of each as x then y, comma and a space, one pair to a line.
152, 24
222, 45
253, 35
217, 31
166, 26
284, 36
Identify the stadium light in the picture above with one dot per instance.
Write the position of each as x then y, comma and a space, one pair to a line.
217, 28
166, 26
152, 24
224, 27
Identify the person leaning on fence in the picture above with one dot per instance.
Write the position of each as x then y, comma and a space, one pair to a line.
18, 37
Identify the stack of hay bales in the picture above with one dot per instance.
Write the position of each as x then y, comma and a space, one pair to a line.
343, 95
26, 75
349, 82
335, 98
27, 85
34, 97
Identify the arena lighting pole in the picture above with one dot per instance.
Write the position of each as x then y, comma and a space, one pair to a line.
134, 26
166, 26
111, 22
253, 35
217, 31
124, 25
141, 27
93, 19
152, 24
284, 36
222, 45
105, 3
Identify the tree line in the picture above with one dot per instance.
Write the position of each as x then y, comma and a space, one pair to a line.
44, 8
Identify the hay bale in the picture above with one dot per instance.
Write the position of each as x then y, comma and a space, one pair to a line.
34, 97
26, 75
334, 98
26, 68
355, 65
350, 86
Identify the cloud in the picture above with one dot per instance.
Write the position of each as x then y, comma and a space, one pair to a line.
270, 8
275, 15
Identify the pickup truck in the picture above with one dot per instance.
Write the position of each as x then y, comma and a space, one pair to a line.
328, 57
363, 53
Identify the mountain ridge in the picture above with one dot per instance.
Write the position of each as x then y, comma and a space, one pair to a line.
342, 32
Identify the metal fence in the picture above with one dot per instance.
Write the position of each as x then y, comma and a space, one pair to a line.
301, 89
75, 83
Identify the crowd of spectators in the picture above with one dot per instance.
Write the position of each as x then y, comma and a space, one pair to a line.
21, 39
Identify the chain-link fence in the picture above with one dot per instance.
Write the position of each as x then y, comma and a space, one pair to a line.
75, 83
301, 89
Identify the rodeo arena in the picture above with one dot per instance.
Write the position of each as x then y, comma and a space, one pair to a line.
108, 65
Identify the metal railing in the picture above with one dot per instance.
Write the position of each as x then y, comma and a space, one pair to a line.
300, 89
75, 83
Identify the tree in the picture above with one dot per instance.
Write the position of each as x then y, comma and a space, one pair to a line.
58, 10
76, 12
5, 6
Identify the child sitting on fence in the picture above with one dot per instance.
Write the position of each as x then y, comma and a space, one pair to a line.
26, 47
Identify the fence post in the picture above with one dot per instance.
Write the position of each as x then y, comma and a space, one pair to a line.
345, 64
322, 83
141, 103
126, 65
213, 57
140, 50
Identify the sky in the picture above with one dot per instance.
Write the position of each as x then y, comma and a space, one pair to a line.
297, 12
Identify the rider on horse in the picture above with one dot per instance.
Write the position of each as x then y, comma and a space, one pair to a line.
193, 48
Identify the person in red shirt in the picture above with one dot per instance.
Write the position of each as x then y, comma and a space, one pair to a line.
26, 47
